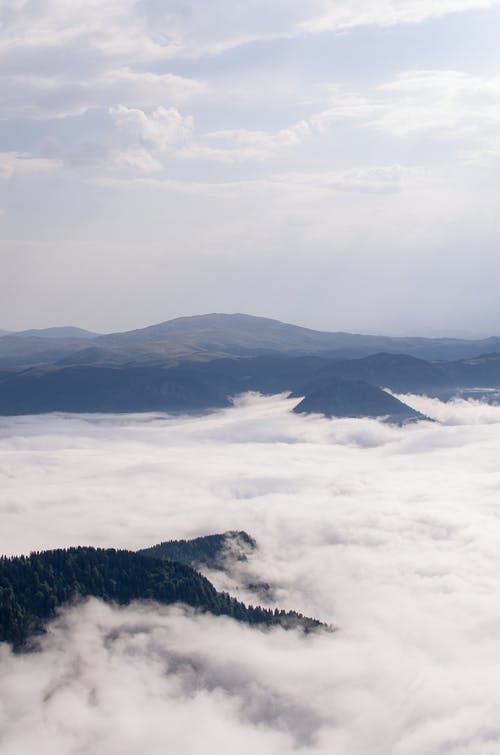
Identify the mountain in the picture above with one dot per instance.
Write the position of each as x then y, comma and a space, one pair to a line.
105, 389
246, 335
207, 551
33, 587
214, 336
67, 332
235, 334
31, 347
355, 398
194, 386
482, 371
398, 372
171, 367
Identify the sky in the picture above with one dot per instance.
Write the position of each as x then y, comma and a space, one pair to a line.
389, 533
330, 164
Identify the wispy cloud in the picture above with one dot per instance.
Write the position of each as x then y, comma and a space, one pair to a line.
386, 13
14, 163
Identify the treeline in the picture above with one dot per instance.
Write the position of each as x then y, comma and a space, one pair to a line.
33, 587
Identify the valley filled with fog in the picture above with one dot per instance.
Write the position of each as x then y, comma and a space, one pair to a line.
388, 533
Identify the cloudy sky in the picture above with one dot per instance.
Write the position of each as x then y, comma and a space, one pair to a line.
391, 533
333, 164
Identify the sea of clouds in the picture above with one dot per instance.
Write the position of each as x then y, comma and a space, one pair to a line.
390, 533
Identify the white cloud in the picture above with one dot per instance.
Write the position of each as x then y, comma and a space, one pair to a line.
441, 104
373, 178
104, 47
460, 411
451, 104
161, 130
58, 95
386, 12
392, 533
136, 160
110, 50
15, 163
236, 145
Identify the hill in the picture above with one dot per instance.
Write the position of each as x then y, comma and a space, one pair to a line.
247, 335
33, 587
355, 398
194, 386
398, 372
207, 551
44, 346
66, 332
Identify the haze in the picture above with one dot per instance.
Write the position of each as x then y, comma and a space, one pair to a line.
327, 163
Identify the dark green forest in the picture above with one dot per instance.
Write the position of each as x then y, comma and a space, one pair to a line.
33, 587
206, 551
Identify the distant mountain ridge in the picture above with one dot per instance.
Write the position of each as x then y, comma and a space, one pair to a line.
65, 332
200, 363
217, 335
247, 335
194, 386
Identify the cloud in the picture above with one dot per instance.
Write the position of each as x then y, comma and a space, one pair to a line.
447, 104
459, 411
441, 104
238, 145
370, 179
61, 59
161, 130
386, 13
391, 533
15, 163
57, 95
234, 145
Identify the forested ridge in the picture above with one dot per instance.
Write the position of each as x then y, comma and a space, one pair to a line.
208, 550
33, 587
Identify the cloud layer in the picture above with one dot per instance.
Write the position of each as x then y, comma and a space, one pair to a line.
390, 533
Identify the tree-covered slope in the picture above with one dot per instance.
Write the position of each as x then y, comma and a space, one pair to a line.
398, 372
209, 550
33, 587
193, 386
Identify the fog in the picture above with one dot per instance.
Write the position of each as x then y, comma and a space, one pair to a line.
390, 533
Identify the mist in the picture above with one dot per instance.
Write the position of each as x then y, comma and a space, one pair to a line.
389, 533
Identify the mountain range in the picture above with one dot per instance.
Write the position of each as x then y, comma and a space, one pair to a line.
211, 336
201, 363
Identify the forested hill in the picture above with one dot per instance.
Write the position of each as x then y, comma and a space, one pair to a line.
207, 551
33, 587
